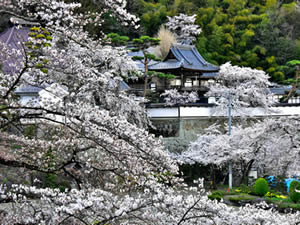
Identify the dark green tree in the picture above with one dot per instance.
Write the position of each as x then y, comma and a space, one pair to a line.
247, 33
142, 44
296, 65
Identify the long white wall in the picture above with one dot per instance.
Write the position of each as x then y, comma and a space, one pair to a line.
169, 112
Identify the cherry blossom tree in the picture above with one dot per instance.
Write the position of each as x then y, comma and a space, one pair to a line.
173, 97
90, 117
92, 132
247, 88
271, 145
183, 27
164, 205
255, 142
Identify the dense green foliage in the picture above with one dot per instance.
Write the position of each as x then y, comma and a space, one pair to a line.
110, 23
261, 187
248, 33
259, 34
295, 196
242, 197
293, 185
153, 13
216, 195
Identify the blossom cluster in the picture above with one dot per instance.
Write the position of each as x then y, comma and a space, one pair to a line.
173, 97
157, 204
245, 87
184, 27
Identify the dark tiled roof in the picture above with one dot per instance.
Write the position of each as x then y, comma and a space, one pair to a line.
28, 89
187, 57
124, 86
282, 90
169, 64
13, 38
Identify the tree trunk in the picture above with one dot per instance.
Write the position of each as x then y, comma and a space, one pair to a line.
245, 171
146, 75
293, 89
213, 185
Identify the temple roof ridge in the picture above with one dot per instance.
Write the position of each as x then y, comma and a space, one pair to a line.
186, 57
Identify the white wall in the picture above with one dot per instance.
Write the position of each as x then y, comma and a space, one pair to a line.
210, 112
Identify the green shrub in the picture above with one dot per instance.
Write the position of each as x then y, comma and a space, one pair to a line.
246, 189
295, 206
295, 196
293, 185
261, 187
216, 195
242, 197
51, 180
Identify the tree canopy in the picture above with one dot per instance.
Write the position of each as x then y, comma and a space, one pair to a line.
257, 34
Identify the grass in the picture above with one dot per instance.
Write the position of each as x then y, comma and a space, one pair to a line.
224, 188
243, 193
241, 197
284, 203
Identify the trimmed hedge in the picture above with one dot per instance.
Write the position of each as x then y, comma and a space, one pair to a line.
295, 196
216, 195
261, 187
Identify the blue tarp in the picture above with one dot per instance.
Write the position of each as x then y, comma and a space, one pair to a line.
287, 182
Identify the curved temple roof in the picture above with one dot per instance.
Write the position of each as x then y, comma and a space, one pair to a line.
14, 35
14, 38
187, 57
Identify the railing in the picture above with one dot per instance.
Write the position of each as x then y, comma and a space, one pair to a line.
161, 88
203, 102
182, 88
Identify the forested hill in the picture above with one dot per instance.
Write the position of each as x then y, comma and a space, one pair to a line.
263, 34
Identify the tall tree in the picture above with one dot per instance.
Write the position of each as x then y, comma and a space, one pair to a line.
87, 115
270, 145
143, 44
246, 88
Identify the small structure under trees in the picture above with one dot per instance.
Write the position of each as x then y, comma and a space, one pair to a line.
192, 71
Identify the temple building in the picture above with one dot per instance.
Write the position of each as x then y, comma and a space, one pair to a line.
192, 72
